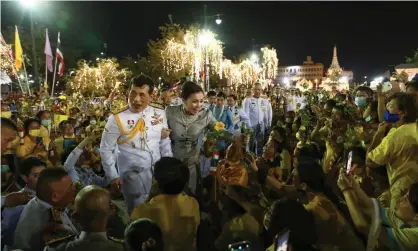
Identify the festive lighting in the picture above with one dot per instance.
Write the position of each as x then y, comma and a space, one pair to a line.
28, 3
270, 63
98, 80
254, 57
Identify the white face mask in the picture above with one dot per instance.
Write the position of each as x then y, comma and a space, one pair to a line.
93, 122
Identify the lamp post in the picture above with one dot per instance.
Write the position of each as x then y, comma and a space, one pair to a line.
29, 4
204, 39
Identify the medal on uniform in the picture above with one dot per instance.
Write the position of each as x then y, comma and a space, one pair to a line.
131, 124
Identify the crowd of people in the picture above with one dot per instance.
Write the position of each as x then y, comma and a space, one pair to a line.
174, 168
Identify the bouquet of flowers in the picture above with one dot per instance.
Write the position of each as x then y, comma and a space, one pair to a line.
248, 132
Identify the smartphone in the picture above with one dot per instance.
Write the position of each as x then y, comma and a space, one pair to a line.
39, 140
77, 132
349, 162
282, 242
69, 143
240, 246
386, 86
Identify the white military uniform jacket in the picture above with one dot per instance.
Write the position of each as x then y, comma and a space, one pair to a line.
259, 111
238, 116
133, 151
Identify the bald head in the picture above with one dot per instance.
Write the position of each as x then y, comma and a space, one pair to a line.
92, 207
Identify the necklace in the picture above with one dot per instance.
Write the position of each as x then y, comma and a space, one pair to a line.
187, 119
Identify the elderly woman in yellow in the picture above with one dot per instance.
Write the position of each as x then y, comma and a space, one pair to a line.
35, 140
399, 149
231, 171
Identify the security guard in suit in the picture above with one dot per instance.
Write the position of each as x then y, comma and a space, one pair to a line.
136, 131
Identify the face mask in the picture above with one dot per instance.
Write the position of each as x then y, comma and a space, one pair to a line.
289, 120
6, 115
390, 117
35, 132
46, 122
93, 122
5, 168
96, 149
102, 123
360, 102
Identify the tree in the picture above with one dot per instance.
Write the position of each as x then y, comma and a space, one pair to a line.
414, 59
99, 80
137, 67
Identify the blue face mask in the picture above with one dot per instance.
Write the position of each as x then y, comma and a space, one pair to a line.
46, 122
390, 117
360, 102
97, 149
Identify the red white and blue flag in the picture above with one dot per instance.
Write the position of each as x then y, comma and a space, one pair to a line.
60, 57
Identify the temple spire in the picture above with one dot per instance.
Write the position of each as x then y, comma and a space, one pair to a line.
334, 63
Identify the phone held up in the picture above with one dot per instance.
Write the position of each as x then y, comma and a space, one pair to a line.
349, 162
240, 246
282, 242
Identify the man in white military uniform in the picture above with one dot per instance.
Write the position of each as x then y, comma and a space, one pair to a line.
238, 115
136, 131
260, 113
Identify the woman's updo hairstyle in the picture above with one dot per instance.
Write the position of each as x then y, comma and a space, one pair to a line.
189, 88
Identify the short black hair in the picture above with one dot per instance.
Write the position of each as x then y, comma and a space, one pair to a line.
211, 93
221, 95
365, 89
28, 122
141, 80
289, 214
189, 88
40, 113
412, 84
232, 96
46, 177
25, 167
171, 175
406, 104
8, 123
140, 231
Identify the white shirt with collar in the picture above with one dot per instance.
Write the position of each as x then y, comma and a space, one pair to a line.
259, 111
131, 154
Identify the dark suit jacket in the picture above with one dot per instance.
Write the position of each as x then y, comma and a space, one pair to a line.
87, 242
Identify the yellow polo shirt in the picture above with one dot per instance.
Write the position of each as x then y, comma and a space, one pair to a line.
178, 217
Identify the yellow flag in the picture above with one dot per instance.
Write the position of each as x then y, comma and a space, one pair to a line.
18, 51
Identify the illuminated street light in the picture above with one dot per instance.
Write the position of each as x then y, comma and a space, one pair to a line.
28, 3
205, 37
101, 53
378, 79
218, 20
22, 76
97, 59
254, 57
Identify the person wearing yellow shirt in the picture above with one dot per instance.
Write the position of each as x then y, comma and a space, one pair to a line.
35, 140
398, 228
67, 133
398, 150
176, 213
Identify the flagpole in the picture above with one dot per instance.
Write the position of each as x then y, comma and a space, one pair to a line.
55, 71
26, 76
46, 64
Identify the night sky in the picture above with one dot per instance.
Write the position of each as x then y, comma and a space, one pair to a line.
370, 36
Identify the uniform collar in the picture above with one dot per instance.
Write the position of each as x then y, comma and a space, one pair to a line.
43, 204
31, 191
98, 236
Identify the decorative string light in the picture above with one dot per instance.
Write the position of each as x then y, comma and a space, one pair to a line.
100, 79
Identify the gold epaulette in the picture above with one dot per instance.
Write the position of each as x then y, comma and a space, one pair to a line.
120, 110
58, 240
157, 105
120, 241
